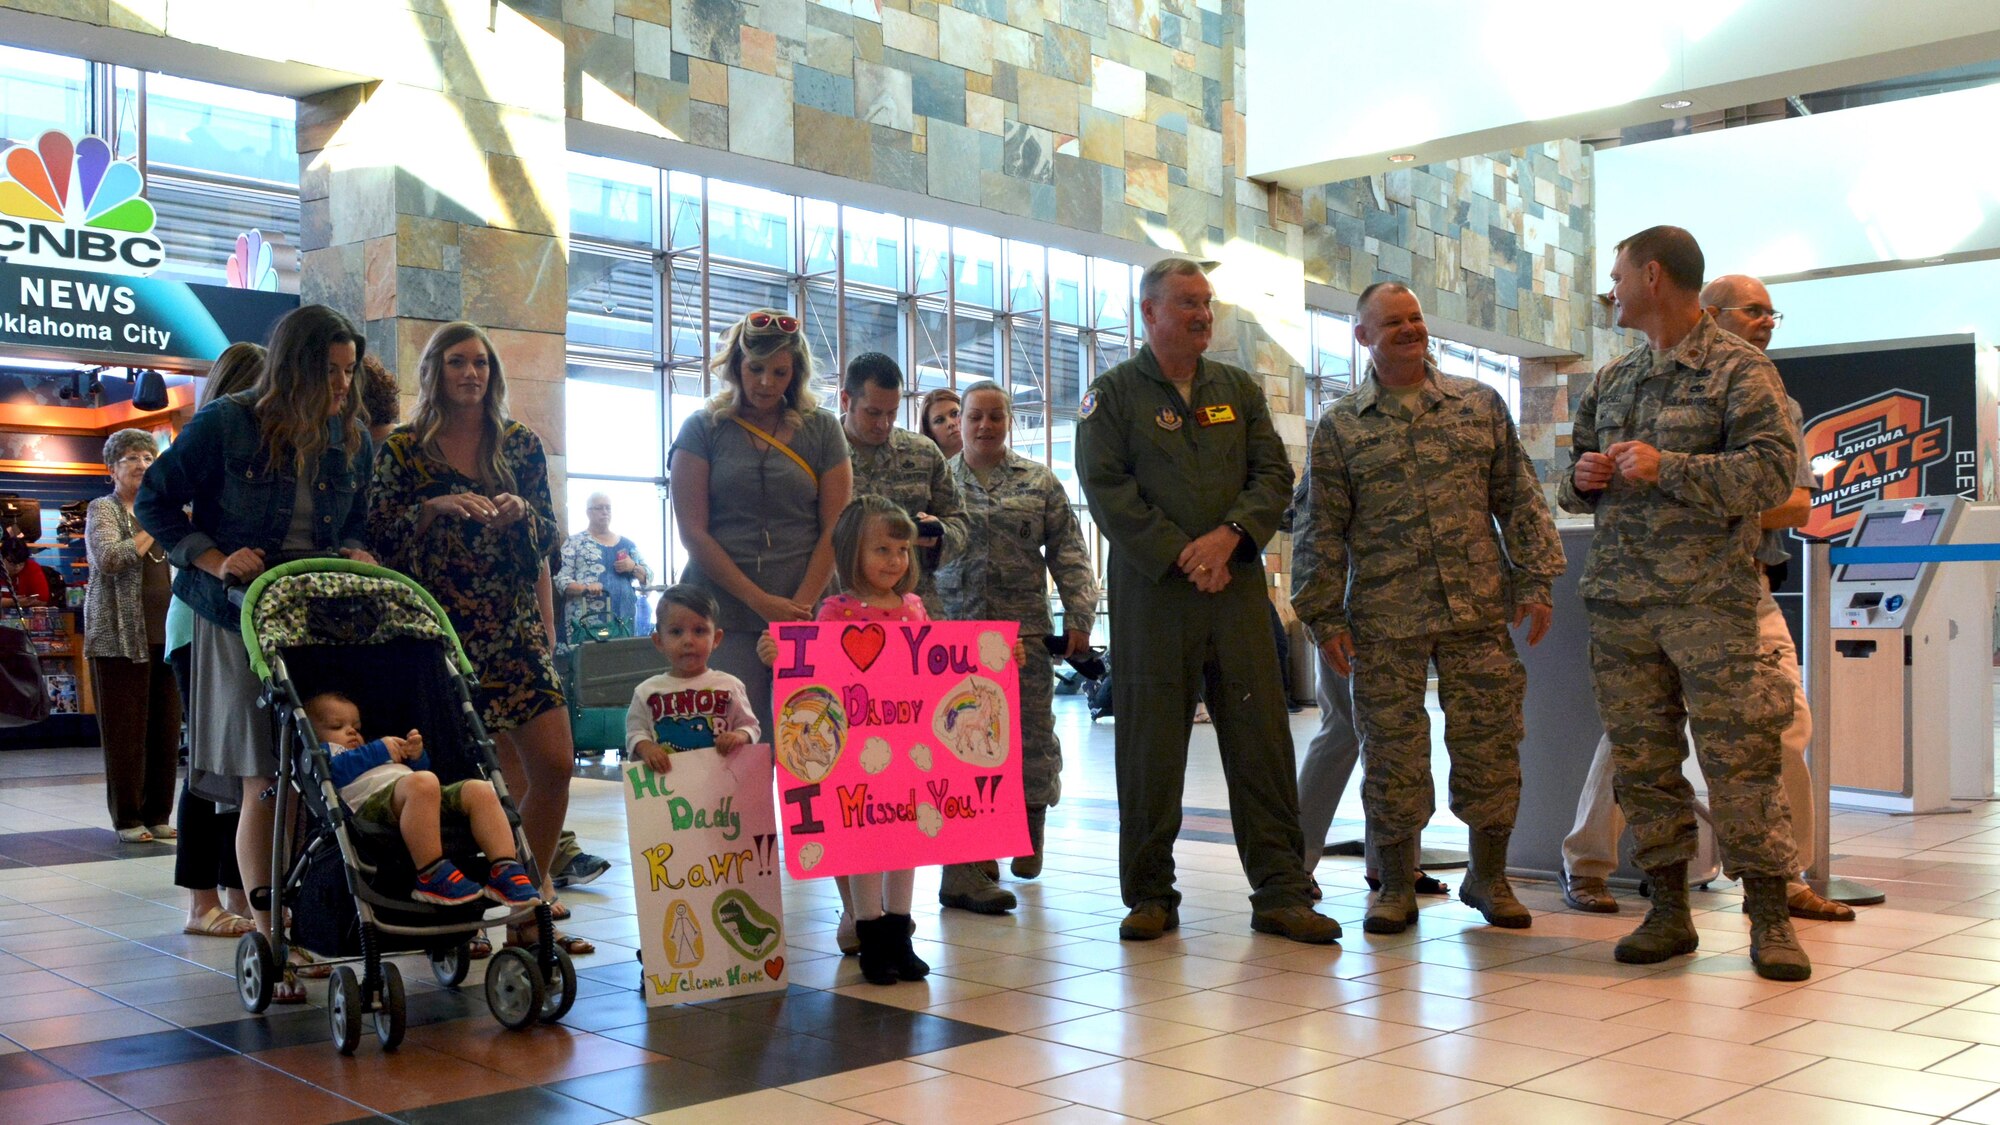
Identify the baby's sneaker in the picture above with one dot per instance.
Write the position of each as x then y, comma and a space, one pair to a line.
444, 884
508, 883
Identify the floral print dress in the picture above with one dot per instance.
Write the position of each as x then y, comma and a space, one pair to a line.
483, 577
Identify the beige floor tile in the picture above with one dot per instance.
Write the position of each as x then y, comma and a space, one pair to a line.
1937, 1094
1640, 1089
1585, 966
867, 1080
1943, 968
1862, 1044
1482, 1060
1271, 1107
1426, 1009
1078, 1115
1013, 972
953, 1097
917, 995
1445, 980
1981, 1062
1569, 1000
1341, 1034
1888, 1015
1122, 1034
1106, 989
1221, 1011
1986, 1112
1562, 1033
1200, 972
762, 1105
1240, 1058
1846, 956
1525, 1107
84, 1027
1382, 1088
1767, 1106
1301, 988
1014, 1060
1872, 981
1336, 961
1013, 1011
1138, 1089
1988, 1001
1979, 1027
1714, 1058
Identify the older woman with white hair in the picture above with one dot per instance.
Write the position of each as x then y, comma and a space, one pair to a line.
600, 572
1022, 530
124, 635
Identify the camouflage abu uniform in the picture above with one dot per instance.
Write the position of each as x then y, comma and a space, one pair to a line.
1021, 530
1405, 521
1671, 586
909, 470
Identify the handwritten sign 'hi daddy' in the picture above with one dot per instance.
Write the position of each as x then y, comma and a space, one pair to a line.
705, 876
898, 744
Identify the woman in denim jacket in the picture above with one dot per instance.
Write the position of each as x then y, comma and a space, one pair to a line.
281, 469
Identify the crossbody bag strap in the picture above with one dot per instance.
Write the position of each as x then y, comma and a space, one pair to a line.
781, 447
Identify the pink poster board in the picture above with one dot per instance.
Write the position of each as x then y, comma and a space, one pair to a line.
898, 744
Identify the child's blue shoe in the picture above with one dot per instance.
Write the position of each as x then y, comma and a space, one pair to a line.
508, 883
445, 885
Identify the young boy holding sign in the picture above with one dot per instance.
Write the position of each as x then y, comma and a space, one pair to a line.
689, 706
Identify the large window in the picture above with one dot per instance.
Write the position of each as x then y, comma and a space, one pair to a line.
1339, 362
662, 263
219, 162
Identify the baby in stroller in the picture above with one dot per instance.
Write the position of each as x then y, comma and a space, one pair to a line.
388, 781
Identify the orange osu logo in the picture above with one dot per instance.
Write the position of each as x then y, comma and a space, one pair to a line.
1876, 449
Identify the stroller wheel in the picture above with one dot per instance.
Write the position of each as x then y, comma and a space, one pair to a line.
450, 966
343, 1009
514, 989
391, 1014
256, 971
561, 988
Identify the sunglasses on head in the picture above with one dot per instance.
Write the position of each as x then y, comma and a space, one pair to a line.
763, 321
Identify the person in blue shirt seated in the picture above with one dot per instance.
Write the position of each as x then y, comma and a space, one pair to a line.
388, 781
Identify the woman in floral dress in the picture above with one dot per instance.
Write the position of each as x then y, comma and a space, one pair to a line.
461, 503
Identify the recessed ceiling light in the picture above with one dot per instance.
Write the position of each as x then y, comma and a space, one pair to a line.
1402, 157
1932, 261
1677, 103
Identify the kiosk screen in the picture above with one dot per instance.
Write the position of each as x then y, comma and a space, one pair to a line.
1891, 529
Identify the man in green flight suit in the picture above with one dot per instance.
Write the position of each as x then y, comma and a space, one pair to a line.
1186, 477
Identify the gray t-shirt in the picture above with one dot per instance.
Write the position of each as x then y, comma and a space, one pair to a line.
1771, 549
763, 509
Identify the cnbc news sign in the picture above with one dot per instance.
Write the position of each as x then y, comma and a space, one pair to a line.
77, 249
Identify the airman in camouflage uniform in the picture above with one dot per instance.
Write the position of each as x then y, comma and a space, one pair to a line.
1022, 531
1677, 447
1418, 479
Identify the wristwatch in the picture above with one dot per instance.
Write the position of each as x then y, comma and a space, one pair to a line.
1239, 529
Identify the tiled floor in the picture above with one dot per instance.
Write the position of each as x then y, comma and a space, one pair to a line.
109, 1013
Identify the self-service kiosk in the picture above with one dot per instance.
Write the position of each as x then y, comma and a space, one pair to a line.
1911, 700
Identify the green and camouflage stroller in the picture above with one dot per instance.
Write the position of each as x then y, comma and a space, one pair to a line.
343, 884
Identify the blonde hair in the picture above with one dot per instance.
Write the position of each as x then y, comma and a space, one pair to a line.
740, 341
428, 420
852, 526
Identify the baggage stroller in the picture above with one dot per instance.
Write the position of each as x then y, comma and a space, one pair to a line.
342, 884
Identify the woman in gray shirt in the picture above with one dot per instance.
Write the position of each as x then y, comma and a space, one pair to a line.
759, 476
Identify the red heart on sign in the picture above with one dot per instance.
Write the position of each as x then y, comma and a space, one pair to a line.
774, 967
863, 643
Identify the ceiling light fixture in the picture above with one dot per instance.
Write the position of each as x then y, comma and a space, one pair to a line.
1677, 103
1932, 261
1402, 157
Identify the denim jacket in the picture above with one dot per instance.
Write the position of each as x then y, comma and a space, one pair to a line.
241, 501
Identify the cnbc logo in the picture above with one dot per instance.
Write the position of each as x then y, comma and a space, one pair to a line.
72, 205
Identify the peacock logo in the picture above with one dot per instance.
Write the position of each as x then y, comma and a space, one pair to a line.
73, 205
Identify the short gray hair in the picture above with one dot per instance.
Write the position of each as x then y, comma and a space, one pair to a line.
124, 442
988, 385
1156, 275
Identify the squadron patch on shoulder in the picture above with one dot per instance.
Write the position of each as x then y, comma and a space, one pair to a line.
1088, 406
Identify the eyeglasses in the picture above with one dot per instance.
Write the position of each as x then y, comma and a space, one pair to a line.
763, 322
598, 508
1756, 312
134, 459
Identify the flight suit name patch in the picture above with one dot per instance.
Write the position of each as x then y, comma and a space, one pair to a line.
1216, 415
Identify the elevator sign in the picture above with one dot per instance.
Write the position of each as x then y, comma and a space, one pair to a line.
71, 205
